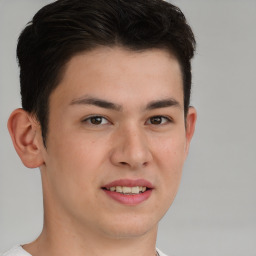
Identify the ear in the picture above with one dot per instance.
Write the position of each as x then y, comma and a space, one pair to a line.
190, 126
26, 137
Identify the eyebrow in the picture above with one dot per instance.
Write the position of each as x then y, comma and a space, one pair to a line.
96, 102
163, 104
170, 102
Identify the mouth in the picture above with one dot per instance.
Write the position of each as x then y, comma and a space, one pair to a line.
129, 192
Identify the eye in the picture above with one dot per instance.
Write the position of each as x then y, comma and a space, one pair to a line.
158, 120
96, 120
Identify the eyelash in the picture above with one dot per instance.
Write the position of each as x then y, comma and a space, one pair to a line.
90, 118
100, 118
167, 120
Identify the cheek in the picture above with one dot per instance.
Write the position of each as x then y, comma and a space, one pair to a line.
73, 171
76, 155
170, 158
73, 162
171, 150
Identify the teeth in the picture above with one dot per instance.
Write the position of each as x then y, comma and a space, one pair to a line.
128, 190
135, 190
119, 189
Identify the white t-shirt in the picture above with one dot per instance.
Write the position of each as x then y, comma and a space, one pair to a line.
19, 251
16, 251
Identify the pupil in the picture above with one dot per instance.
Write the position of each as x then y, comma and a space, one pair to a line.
156, 120
96, 120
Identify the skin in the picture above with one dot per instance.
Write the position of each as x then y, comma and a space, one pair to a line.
126, 143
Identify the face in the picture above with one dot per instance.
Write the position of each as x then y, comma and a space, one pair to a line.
116, 141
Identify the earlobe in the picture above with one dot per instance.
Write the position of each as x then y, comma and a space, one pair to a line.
190, 126
25, 133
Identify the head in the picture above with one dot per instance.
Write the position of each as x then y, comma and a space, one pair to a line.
66, 28
105, 93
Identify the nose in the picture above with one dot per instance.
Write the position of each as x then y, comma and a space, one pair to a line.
131, 149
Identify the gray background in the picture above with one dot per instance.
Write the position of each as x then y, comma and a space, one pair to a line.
215, 210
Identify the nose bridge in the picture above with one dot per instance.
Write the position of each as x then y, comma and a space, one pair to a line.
132, 148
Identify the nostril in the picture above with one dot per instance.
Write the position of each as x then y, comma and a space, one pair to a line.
123, 163
145, 164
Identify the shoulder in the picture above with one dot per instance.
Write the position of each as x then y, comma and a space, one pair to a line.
160, 253
16, 251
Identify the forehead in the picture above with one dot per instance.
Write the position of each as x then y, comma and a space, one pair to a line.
112, 71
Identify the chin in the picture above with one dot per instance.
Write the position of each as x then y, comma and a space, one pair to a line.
130, 228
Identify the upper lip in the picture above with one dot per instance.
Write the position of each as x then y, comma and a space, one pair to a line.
129, 183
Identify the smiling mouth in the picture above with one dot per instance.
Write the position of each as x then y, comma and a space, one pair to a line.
127, 190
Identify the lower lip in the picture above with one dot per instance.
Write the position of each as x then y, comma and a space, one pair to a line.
129, 199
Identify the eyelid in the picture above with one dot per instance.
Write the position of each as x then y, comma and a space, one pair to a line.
168, 120
86, 119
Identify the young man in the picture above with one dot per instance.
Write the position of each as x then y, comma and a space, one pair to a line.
105, 89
